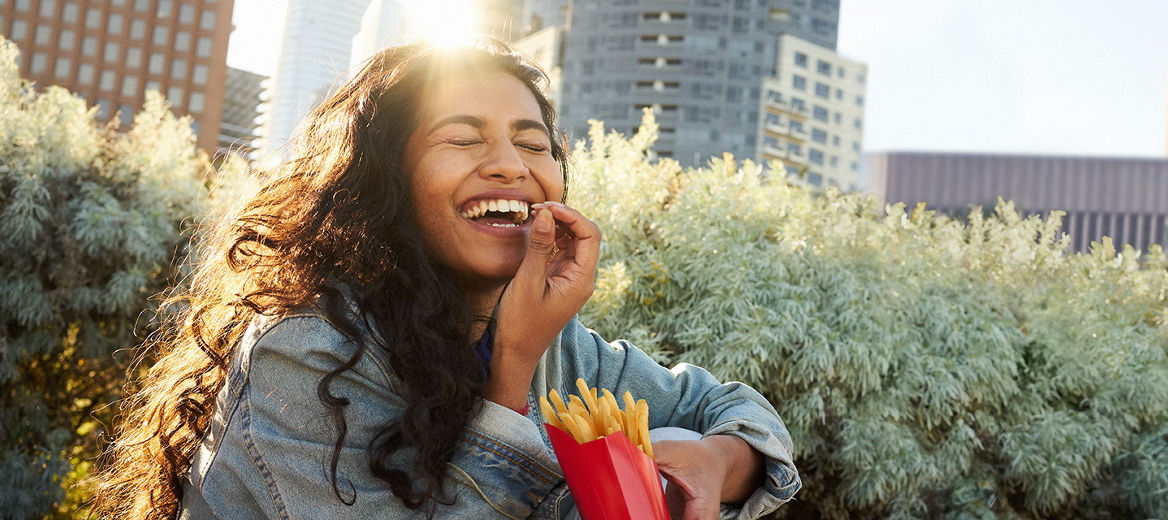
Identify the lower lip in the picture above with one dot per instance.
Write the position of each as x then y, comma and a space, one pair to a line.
501, 232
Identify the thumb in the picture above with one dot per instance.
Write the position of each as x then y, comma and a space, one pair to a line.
540, 241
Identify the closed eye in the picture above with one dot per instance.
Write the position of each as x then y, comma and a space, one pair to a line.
538, 148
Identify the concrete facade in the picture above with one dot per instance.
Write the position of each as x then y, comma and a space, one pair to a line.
314, 53
701, 65
110, 52
242, 102
813, 114
1123, 198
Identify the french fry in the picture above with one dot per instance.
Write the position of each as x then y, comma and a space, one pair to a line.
596, 413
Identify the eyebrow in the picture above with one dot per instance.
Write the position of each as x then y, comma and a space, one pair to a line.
517, 125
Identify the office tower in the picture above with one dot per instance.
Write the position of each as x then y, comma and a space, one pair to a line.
314, 53
242, 101
1122, 198
383, 24
705, 68
111, 52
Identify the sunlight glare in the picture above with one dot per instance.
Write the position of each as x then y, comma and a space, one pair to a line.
442, 22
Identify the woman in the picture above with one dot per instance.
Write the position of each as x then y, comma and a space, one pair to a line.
367, 334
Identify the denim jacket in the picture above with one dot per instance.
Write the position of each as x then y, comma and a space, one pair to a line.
268, 451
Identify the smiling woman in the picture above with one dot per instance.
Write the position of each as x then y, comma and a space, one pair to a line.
411, 275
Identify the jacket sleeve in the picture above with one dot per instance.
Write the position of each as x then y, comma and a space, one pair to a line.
289, 436
689, 397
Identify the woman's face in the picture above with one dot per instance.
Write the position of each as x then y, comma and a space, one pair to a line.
479, 157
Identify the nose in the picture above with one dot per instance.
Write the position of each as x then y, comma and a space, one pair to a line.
504, 163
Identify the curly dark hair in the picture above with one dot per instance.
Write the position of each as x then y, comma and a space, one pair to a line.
338, 212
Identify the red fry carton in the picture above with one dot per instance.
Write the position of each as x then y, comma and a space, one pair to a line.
610, 478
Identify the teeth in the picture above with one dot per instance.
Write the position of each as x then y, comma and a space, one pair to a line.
480, 208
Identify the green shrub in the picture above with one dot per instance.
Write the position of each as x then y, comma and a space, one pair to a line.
90, 221
926, 367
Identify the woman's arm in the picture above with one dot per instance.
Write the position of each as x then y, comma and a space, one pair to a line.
688, 397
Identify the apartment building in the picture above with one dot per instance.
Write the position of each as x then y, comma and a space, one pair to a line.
813, 114
110, 52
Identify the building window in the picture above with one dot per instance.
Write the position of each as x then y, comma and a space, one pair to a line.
133, 57
89, 46
153, 85
794, 149
819, 113
195, 103
48, 8
141, 5
801, 59
64, 40
113, 24
130, 86
838, 118
107, 81
186, 14
161, 35
22, 6
835, 141
165, 9
203, 48
798, 82
138, 29
38, 63
42, 35
199, 74
112, 52
796, 126
157, 63
857, 123
797, 104
856, 146
182, 41
815, 156
207, 20
92, 18
70, 12
839, 94
174, 96
61, 68
834, 161
178, 69
103, 109
818, 136
814, 179
823, 67
839, 71
822, 91
859, 101
125, 114
19, 30
85, 74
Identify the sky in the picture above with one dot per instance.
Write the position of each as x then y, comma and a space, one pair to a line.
1067, 77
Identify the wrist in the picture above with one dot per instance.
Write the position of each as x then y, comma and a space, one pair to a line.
741, 466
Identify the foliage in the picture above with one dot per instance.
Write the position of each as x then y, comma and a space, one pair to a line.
90, 221
926, 367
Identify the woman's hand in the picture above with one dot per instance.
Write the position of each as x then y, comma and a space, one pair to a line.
705, 473
556, 278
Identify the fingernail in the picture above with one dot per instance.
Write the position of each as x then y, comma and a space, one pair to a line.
539, 205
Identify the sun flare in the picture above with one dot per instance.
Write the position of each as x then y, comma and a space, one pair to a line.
442, 22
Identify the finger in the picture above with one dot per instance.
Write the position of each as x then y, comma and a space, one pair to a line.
540, 242
586, 241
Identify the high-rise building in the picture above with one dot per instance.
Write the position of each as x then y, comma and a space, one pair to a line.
706, 67
314, 52
110, 52
1122, 198
242, 101
813, 114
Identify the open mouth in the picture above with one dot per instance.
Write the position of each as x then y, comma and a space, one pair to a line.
497, 212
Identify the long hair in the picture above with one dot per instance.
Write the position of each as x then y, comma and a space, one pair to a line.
338, 212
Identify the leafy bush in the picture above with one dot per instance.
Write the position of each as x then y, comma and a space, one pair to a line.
926, 367
90, 221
